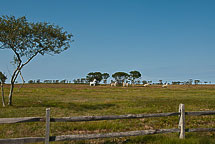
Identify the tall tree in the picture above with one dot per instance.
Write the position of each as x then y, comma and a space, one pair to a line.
134, 75
105, 76
196, 82
120, 77
2, 81
27, 40
94, 75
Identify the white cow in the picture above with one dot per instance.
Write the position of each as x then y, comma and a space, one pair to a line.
93, 83
145, 85
165, 85
113, 84
125, 84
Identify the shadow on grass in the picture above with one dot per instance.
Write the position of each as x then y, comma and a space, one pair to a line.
70, 105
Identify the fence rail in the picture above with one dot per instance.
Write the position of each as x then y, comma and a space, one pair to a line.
97, 118
48, 138
96, 136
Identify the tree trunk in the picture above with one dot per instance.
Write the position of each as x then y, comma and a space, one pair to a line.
11, 94
13, 79
2, 93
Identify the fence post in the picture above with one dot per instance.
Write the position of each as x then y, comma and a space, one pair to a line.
181, 124
47, 125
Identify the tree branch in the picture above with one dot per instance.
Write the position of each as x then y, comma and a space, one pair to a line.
19, 59
2, 46
21, 66
31, 58
23, 81
14, 76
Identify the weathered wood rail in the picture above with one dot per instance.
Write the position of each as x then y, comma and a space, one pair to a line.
49, 138
98, 118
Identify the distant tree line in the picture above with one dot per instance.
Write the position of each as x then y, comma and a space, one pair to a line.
190, 82
48, 81
120, 77
133, 77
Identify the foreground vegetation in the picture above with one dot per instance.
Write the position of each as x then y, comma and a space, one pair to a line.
67, 100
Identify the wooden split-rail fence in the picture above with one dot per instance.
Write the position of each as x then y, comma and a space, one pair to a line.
181, 129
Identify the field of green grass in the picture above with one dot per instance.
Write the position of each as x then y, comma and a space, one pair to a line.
67, 100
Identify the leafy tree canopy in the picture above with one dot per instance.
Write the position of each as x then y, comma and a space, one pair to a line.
28, 39
197, 81
120, 76
135, 75
105, 76
94, 75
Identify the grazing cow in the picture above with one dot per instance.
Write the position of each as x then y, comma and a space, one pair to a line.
113, 84
145, 85
93, 83
165, 85
125, 84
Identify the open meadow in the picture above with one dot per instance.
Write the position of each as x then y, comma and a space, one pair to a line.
67, 100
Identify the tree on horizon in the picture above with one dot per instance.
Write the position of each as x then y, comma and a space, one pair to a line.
94, 75
120, 77
134, 75
105, 76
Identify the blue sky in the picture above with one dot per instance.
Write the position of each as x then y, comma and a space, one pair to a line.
163, 39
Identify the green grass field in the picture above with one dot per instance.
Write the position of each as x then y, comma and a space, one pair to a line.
67, 100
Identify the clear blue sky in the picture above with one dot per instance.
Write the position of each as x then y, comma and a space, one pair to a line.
163, 39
